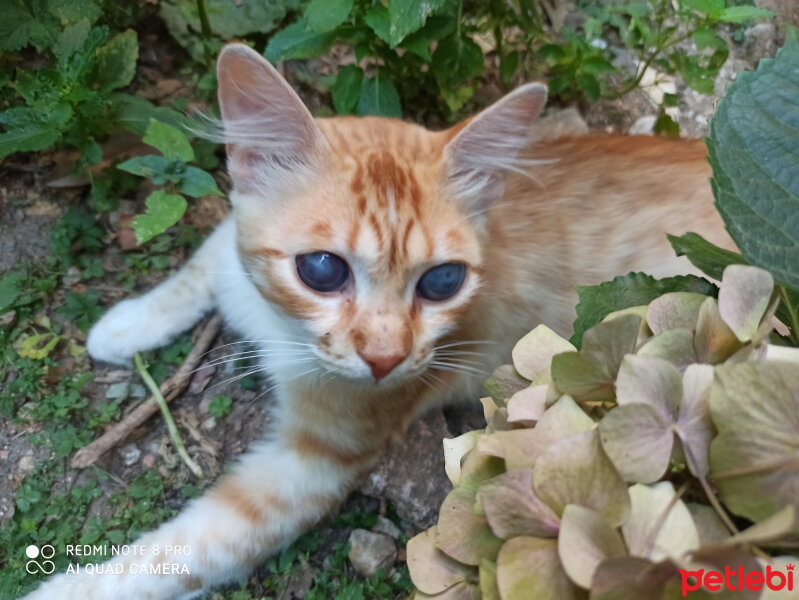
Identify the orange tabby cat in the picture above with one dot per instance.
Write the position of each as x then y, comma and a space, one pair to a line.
380, 268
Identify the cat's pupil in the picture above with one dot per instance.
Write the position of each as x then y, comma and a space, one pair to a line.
441, 282
322, 271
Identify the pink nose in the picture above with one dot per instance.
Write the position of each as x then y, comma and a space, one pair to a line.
381, 364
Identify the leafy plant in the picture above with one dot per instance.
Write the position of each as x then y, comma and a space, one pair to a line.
668, 441
164, 206
583, 476
72, 101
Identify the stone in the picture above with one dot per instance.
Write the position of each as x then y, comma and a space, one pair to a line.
643, 126
411, 474
386, 527
130, 454
371, 551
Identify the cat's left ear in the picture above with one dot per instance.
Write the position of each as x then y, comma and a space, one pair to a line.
481, 152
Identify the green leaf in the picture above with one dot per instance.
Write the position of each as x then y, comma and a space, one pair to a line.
633, 289
116, 61
83, 309
659, 526
462, 534
590, 374
529, 567
754, 459
456, 59
589, 86
163, 211
532, 355
197, 183
744, 299
711, 8
576, 470
295, 42
26, 23
171, 141
10, 289
585, 540
707, 257
741, 14
507, 66
432, 571
150, 166
512, 508
437, 28
408, 16
228, 20
71, 40
753, 145
220, 406
325, 15
378, 20
379, 97
347, 89
72, 11
37, 346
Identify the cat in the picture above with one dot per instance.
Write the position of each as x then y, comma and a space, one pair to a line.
381, 268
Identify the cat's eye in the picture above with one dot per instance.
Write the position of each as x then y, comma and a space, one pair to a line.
442, 282
322, 271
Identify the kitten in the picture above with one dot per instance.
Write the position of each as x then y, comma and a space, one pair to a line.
382, 268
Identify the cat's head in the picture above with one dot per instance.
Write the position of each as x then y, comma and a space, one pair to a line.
370, 232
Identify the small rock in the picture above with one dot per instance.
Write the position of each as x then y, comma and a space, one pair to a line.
148, 461
130, 454
72, 277
371, 551
26, 464
118, 391
644, 126
386, 527
209, 423
8, 318
411, 474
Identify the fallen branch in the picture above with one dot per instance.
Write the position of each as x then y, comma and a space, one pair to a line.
170, 390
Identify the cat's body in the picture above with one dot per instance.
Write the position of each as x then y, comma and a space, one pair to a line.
353, 366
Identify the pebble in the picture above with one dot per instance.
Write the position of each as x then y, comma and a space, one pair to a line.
371, 551
386, 527
130, 454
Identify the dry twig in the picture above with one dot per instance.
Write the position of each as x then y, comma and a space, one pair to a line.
170, 389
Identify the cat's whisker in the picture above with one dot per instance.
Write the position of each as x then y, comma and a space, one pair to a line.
270, 388
464, 343
457, 366
460, 353
248, 357
454, 370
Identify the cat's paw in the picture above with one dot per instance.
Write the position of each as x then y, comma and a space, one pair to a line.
129, 327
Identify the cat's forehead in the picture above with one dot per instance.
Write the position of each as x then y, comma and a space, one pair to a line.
355, 137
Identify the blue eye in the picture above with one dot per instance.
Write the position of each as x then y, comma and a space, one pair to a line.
322, 271
441, 282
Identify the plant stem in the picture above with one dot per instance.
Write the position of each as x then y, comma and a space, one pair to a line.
794, 324
205, 27
170, 423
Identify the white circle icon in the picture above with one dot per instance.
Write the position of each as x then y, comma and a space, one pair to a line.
32, 551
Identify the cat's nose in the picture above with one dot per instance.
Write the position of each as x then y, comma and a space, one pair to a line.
382, 364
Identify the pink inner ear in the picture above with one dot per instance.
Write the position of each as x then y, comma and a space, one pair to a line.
265, 122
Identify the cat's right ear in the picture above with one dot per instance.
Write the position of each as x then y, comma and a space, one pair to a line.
265, 122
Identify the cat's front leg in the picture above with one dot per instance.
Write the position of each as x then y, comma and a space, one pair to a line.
154, 319
278, 491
